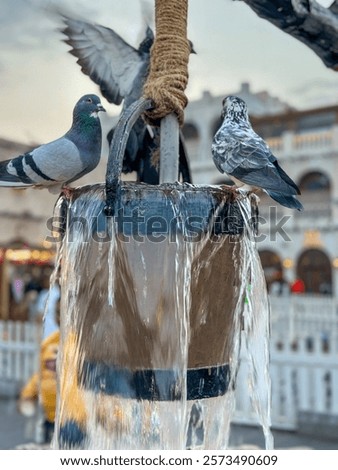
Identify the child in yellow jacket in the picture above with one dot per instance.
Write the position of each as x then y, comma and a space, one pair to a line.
41, 387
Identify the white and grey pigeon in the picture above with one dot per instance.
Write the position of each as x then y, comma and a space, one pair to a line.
120, 70
244, 156
56, 164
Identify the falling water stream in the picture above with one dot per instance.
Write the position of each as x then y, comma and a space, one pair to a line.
156, 305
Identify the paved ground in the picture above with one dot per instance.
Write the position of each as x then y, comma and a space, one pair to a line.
16, 430
247, 437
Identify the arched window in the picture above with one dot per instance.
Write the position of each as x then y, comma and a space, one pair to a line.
272, 265
190, 131
315, 181
192, 138
314, 268
315, 187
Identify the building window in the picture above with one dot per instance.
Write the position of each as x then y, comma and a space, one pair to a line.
316, 121
314, 268
190, 131
315, 181
272, 266
268, 131
315, 188
192, 139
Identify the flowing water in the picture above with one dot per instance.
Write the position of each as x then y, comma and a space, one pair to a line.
156, 305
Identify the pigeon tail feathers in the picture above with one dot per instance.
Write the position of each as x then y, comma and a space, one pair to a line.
19, 180
287, 201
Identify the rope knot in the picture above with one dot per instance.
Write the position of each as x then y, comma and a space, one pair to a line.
168, 74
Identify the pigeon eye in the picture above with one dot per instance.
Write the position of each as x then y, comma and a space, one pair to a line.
89, 100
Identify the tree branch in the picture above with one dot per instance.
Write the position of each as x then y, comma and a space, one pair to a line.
305, 20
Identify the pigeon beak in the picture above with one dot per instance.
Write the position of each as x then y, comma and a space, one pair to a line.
100, 108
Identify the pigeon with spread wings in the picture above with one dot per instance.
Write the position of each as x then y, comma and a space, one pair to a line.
120, 70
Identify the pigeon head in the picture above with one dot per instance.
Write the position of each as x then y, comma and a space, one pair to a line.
235, 109
88, 105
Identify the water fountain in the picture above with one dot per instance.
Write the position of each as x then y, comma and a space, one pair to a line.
158, 284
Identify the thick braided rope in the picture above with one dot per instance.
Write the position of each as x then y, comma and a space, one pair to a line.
168, 75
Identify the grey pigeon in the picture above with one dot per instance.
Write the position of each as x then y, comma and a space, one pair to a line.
120, 70
62, 161
244, 156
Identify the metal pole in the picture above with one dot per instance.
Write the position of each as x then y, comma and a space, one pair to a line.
169, 149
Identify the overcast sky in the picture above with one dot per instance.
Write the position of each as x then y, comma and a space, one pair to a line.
40, 81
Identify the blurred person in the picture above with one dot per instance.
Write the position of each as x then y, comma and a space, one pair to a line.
33, 282
298, 286
32, 290
279, 285
45, 307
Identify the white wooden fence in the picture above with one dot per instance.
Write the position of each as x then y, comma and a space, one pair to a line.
19, 350
303, 362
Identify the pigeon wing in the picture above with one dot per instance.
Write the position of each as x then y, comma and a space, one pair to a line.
286, 200
60, 160
103, 55
16, 179
57, 161
241, 153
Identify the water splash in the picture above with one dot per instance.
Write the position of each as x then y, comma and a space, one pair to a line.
152, 314
255, 333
